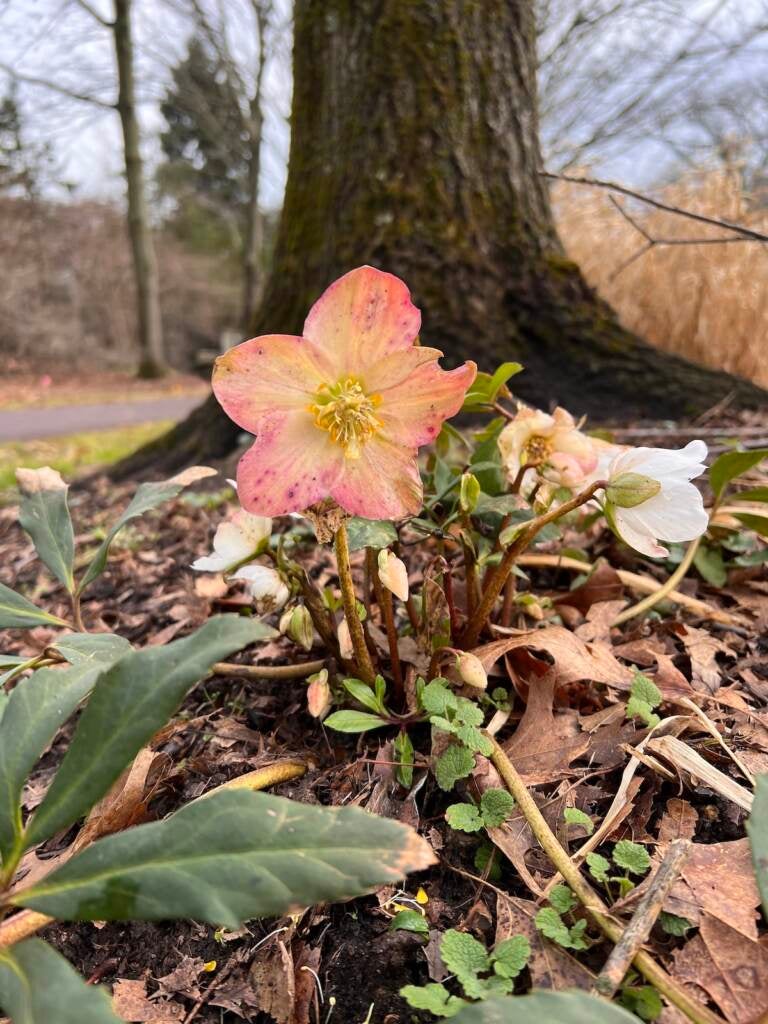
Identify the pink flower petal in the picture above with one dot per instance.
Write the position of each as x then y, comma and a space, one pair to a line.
274, 372
291, 465
361, 318
384, 483
413, 411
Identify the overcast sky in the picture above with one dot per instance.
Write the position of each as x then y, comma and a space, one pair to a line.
706, 45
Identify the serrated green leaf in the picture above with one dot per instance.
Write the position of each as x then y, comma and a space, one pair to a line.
464, 817
552, 926
38, 986
16, 612
453, 764
434, 998
562, 899
44, 514
573, 816
463, 955
147, 497
547, 1007
130, 702
437, 698
496, 805
598, 867
227, 858
474, 739
467, 712
354, 721
370, 533
631, 856
757, 830
673, 924
729, 465
363, 693
483, 855
645, 689
35, 711
92, 647
641, 709
409, 921
644, 1002
511, 956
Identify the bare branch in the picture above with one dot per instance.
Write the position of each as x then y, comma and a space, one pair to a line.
84, 5
61, 90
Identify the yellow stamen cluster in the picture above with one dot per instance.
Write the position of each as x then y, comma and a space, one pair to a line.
347, 413
536, 450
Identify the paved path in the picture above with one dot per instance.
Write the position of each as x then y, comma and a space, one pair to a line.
28, 424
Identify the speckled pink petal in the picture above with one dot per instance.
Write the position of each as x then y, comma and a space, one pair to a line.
361, 318
384, 483
413, 411
274, 372
291, 465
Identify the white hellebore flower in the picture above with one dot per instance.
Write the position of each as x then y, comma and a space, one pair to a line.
236, 540
649, 496
265, 586
393, 574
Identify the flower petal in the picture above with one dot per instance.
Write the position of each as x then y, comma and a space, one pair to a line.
676, 513
413, 411
633, 531
274, 372
290, 466
361, 318
660, 463
384, 483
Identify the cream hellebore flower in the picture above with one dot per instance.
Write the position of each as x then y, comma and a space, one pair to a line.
346, 649
265, 586
393, 574
241, 537
341, 411
561, 452
649, 496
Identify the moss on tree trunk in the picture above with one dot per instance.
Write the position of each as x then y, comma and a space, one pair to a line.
415, 148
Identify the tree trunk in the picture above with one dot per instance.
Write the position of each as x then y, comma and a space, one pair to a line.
254, 227
415, 148
152, 360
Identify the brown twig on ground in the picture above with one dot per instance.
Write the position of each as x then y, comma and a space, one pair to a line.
643, 920
592, 903
300, 671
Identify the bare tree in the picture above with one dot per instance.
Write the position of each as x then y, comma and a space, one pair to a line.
152, 359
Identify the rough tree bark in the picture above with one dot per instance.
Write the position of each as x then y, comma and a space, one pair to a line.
152, 359
415, 148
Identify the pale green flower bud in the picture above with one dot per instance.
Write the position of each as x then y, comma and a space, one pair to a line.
469, 492
300, 628
628, 490
471, 670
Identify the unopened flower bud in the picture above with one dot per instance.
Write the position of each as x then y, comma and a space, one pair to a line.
628, 490
266, 587
471, 670
319, 694
393, 574
469, 492
346, 649
300, 628
285, 620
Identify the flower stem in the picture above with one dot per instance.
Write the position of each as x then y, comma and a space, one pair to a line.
496, 583
384, 601
362, 657
592, 903
666, 588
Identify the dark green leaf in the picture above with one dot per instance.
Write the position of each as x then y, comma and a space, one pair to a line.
354, 721
673, 924
370, 533
547, 1007
147, 497
757, 829
44, 514
130, 702
38, 986
753, 494
16, 612
92, 647
486, 387
728, 466
454, 764
409, 921
35, 711
230, 857
709, 561
756, 521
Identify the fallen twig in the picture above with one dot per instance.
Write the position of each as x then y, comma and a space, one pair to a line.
300, 671
643, 920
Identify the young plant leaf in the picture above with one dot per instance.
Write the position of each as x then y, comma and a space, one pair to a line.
147, 497
230, 857
598, 867
496, 805
36, 710
44, 514
409, 921
92, 647
354, 721
370, 533
573, 816
404, 754
16, 612
38, 986
464, 817
563, 1007
511, 956
363, 693
645, 689
434, 998
437, 698
129, 703
454, 764
631, 856
562, 899
463, 955
729, 465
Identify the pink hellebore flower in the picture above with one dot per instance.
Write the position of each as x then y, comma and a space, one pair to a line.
564, 455
341, 411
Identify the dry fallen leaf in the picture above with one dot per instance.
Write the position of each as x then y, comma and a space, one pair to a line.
273, 982
545, 742
124, 803
678, 821
131, 1002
